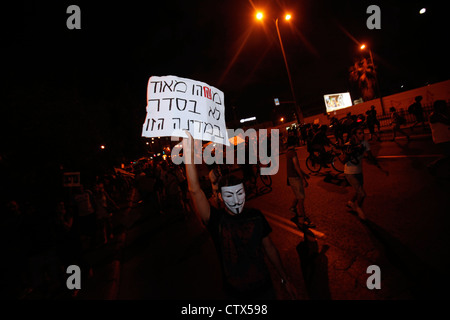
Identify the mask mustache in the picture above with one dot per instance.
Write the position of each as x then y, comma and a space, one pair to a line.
236, 207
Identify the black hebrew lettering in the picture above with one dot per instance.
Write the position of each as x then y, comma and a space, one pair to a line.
179, 124
161, 124
218, 98
206, 126
215, 113
159, 121
180, 82
174, 123
166, 85
188, 123
218, 129
198, 89
185, 104
152, 100
170, 103
155, 83
199, 125
195, 107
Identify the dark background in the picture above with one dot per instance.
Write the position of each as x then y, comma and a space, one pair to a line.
66, 92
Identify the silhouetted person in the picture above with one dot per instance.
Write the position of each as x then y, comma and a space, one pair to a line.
371, 121
353, 169
396, 122
417, 110
440, 131
296, 179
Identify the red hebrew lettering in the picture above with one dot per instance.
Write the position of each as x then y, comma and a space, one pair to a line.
207, 93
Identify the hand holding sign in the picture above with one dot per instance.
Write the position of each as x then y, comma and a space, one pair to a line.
177, 104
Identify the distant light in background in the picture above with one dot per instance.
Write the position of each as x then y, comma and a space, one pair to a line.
259, 16
288, 17
247, 119
102, 147
423, 10
362, 47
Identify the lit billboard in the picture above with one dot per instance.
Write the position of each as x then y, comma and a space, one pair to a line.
337, 101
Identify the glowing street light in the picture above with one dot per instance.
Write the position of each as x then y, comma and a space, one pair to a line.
287, 17
423, 10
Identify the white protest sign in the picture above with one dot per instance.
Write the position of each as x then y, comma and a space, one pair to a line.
176, 104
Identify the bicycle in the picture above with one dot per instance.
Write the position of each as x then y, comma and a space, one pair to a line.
251, 180
265, 178
315, 161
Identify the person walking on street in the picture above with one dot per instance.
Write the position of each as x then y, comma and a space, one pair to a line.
240, 234
440, 132
371, 121
104, 205
396, 122
85, 206
358, 146
296, 179
417, 110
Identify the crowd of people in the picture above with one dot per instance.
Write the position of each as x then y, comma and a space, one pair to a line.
42, 236
51, 229
241, 234
355, 146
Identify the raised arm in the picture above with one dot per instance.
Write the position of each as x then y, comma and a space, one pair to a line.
201, 204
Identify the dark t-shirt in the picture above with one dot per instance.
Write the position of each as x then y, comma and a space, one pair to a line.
238, 240
289, 164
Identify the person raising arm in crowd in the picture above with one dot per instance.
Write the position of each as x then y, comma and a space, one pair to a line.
240, 234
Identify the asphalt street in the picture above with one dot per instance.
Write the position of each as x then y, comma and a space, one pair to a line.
407, 233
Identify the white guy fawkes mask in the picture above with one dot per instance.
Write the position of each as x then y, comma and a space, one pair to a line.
234, 197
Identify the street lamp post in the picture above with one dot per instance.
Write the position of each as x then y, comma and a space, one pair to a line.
298, 111
376, 78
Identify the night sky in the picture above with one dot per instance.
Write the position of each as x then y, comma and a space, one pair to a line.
65, 92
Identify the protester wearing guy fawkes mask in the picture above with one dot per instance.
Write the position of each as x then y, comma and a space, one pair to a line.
240, 234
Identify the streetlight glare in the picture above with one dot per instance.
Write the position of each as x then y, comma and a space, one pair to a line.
423, 10
288, 17
363, 47
259, 15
